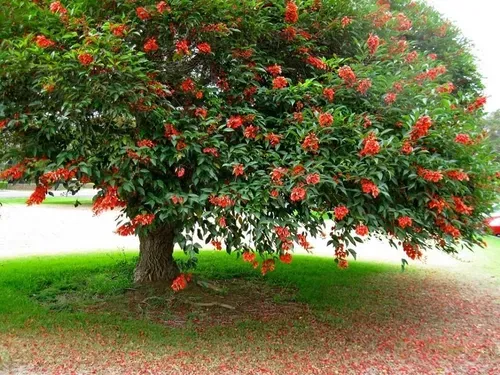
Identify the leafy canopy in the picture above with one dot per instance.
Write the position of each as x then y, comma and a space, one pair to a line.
252, 121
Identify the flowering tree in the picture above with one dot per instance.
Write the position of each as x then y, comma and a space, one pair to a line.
249, 123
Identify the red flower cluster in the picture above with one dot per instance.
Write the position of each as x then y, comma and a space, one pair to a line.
373, 43
43, 42
251, 131
108, 201
405, 221
479, 103
180, 171
222, 222
238, 170
200, 112
298, 194
461, 207
291, 12
279, 82
447, 88
274, 139
364, 85
142, 13
188, 85
311, 143
177, 200
171, 131
302, 240
221, 201
371, 146
407, 148
390, 98
15, 172
325, 119
162, 7
341, 254
362, 230
345, 21
313, 179
151, 45
118, 30
143, 219
286, 258
204, 48
412, 251
369, 187
234, 122
464, 139
316, 62
182, 47
267, 266
437, 203
447, 227
3, 123
340, 212
458, 175
248, 257
274, 70
38, 196
181, 282
85, 58
277, 174
57, 7
347, 74
404, 23
428, 175
421, 128
329, 94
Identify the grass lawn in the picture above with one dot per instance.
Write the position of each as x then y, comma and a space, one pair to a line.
82, 313
50, 200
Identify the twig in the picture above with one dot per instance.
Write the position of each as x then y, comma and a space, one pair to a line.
210, 304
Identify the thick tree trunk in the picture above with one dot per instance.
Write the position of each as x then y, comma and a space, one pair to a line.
156, 262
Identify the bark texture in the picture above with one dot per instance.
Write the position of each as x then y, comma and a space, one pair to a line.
156, 262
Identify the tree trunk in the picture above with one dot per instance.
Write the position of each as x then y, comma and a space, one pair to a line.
156, 262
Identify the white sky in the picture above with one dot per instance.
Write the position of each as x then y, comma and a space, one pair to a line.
480, 23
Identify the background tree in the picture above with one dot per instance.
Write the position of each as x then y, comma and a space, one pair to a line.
247, 123
492, 126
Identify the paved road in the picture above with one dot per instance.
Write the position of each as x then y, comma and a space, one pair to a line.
44, 230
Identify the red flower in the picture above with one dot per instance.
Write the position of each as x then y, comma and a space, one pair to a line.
187, 85
274, 139
369, 187
274, 193
162, 7
234, 122
458, 175
277, 174
421, 128
463, 139
238, 170
57, 7
390, 98
412, 251
180, 171
367, 122
286, 258
222, 222
142, 13
146, 143
3, 123
364, 85
42, 42
248, 256
204, 48
373, 43
313, 179
298, 194
302, 240
118, 30
405, 221
279, 82
428, 175
432, 56
343, 263
437, 203
298, 116
151, 45
371, 146
199, 94
38, 196
480, 102
181, 145
461, 207
143, 219
180, 282
171, 131
251, 131
289, 33
211, 151
126, 229
274, 70
298, 169
267, 266
177, 200
340, 212
407, 148
108, 201
411, 57
345, 21
222, 201
217, 245
316, 62
182, 47
362, 230
329, 94
311, 143
325, 119
85, 58
404, 23
447, 88
347, 74
200, 112
291, 12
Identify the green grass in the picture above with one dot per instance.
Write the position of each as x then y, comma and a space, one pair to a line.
60, 291
49, 200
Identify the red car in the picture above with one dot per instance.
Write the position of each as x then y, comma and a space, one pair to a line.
493, 223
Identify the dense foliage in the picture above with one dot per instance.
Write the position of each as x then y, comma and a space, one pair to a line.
249, 122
